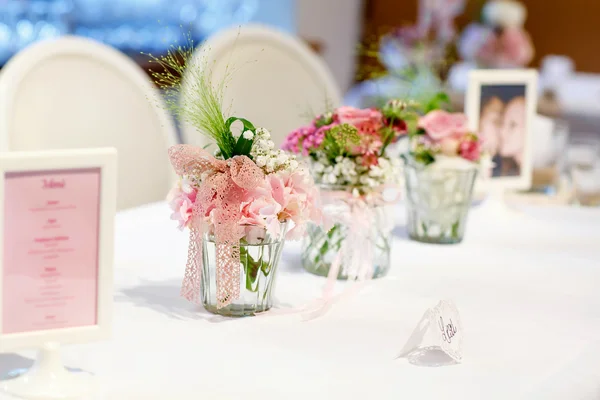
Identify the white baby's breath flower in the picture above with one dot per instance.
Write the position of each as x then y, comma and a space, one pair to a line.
248, 135
330, 178
318, 167
261, 161
263, 133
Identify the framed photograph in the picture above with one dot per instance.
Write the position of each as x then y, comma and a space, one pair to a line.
57, 213
501, 106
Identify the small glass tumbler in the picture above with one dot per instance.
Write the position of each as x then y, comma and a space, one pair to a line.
549, 161
437, 203
259, 256
583, 159
360, 238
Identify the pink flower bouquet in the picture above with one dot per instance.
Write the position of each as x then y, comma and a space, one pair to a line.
348, 150
348, 146
239, 203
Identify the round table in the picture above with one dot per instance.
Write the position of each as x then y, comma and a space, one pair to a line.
527, 286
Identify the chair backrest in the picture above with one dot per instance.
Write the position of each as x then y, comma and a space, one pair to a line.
276, 81
76, 93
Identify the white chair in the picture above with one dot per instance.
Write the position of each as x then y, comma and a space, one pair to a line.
277, 80
76, 93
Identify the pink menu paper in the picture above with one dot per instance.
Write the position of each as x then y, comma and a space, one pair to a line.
50, 263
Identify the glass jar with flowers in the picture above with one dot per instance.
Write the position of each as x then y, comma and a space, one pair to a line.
348, 152
240, 203
440, 173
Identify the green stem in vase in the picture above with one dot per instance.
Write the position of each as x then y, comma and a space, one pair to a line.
252, 267
455, 229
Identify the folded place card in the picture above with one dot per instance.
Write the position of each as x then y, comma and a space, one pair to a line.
438, 333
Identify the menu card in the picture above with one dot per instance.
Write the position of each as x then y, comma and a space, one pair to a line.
50, 263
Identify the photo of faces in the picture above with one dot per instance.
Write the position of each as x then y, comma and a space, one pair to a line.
502, 126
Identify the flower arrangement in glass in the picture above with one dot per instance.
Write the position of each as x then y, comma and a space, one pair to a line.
239, 204
348, 152
440, 173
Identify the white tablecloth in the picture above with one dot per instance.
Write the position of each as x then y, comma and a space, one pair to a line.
527, 287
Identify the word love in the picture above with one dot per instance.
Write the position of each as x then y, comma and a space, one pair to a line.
448, 330
53, 184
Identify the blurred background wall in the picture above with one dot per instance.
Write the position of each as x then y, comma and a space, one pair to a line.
569, 27
333, 28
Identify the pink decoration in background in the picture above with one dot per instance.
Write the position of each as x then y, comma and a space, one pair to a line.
50, 262
440, 14
505, 48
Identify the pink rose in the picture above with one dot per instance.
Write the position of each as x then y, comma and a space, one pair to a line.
358, 117
439, 124
469, 149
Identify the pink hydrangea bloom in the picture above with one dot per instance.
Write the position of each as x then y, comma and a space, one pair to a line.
181, 199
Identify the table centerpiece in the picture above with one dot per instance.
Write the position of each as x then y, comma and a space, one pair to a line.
240, 203
440, 171
348, 153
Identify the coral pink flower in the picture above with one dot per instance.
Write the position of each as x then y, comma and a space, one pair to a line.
469, 149
439, 124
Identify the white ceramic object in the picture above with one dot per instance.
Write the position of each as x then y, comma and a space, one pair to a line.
74, 93
276, 81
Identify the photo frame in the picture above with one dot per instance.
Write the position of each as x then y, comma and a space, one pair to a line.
60, 236
501, 106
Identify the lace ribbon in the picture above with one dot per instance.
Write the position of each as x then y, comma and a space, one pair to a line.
223, 186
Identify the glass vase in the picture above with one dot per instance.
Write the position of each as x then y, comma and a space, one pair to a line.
259, 256
357, 247
437, 203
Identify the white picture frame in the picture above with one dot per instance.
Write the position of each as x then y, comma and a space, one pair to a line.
528, 79
106, 160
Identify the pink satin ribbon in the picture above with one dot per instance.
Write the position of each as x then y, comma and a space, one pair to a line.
222, 188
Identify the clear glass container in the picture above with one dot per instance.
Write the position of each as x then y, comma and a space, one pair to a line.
360, 236
259, 256
583, 161
437, 203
